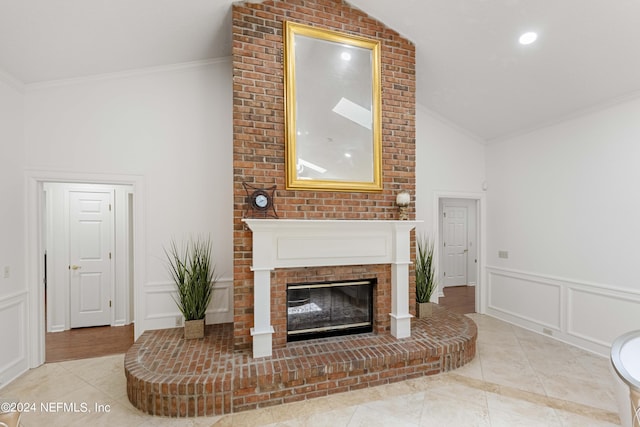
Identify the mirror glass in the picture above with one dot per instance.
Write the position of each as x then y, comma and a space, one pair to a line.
333, 110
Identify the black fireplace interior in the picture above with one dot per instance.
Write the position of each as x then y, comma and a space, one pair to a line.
317, 310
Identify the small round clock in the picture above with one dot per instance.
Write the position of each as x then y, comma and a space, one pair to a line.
260, 200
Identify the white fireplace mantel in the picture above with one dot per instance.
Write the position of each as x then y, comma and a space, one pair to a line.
288, 243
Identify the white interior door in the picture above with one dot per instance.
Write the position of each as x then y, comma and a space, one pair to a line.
90, 246
455, 245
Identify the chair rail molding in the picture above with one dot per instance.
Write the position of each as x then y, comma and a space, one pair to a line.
14, 355
587, 315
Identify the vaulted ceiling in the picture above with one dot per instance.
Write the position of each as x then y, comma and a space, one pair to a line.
471, 70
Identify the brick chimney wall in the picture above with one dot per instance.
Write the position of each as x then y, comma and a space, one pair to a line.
259, 147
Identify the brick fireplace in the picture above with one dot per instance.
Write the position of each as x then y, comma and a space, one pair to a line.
324, 244
320, 236
259, 156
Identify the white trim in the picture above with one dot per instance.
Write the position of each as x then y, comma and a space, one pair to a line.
13, 295
572, 327
290, 243
464, 131
12, 81
557, 327
57, 248
126, 73
480, 291
560, 279
34, 180
223, 314
573, 115
16, 367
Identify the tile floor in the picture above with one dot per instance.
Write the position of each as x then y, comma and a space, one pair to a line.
518, 378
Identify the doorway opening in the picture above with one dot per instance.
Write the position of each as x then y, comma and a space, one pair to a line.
86, 232
36, 249
459, 251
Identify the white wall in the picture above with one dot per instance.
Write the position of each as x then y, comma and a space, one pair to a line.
13, 292
448, 160
450, 163
564, 201
173, 127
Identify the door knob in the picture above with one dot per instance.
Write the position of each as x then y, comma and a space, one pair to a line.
75, 267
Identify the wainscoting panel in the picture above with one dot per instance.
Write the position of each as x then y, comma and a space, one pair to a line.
586, 315
528, 298
162, 312
601, 316
13, 358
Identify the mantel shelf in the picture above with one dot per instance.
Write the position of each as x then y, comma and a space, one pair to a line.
288, 243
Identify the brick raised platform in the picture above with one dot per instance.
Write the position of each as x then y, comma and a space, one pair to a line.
169, 376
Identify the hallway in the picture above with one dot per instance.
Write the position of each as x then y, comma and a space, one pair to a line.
459, 299
83, 343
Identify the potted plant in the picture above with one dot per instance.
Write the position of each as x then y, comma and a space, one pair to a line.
192, 271
425, 277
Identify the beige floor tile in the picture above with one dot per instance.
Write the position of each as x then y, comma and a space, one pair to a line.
512, 381
512, 373
441, 411
472, 369
507, 411
580, 390
331, 418
258, 417
358, 397
303, 409
570, 419
376, 415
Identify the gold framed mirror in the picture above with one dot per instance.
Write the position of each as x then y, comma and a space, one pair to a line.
333, 110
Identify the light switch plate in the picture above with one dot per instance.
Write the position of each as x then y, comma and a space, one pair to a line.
503, 254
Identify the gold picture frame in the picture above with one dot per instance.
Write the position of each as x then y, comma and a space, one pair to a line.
333, 110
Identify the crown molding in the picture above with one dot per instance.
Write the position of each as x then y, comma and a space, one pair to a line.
593, 109
127, 73
462, 130
11, 81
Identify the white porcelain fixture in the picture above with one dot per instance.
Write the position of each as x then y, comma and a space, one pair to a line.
625, 363
289, 243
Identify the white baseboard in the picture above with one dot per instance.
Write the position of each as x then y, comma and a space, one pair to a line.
13, 356
161, 310
586, 315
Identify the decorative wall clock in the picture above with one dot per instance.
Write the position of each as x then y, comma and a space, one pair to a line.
260, 202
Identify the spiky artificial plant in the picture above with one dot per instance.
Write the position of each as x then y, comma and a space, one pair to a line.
425, 270
192, 271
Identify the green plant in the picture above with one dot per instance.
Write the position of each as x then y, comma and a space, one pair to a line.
425, 270
193, 273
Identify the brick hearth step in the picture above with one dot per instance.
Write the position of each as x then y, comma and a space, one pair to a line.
168, 376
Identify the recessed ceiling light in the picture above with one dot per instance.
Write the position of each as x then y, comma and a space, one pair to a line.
346, 56
528, 38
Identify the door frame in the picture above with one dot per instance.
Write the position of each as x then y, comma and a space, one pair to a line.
480, 294
470, 208
35, 216
57, 245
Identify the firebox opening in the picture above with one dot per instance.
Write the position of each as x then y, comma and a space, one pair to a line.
322, 309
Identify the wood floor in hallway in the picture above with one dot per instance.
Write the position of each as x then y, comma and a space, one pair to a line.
83, 343
459, 299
